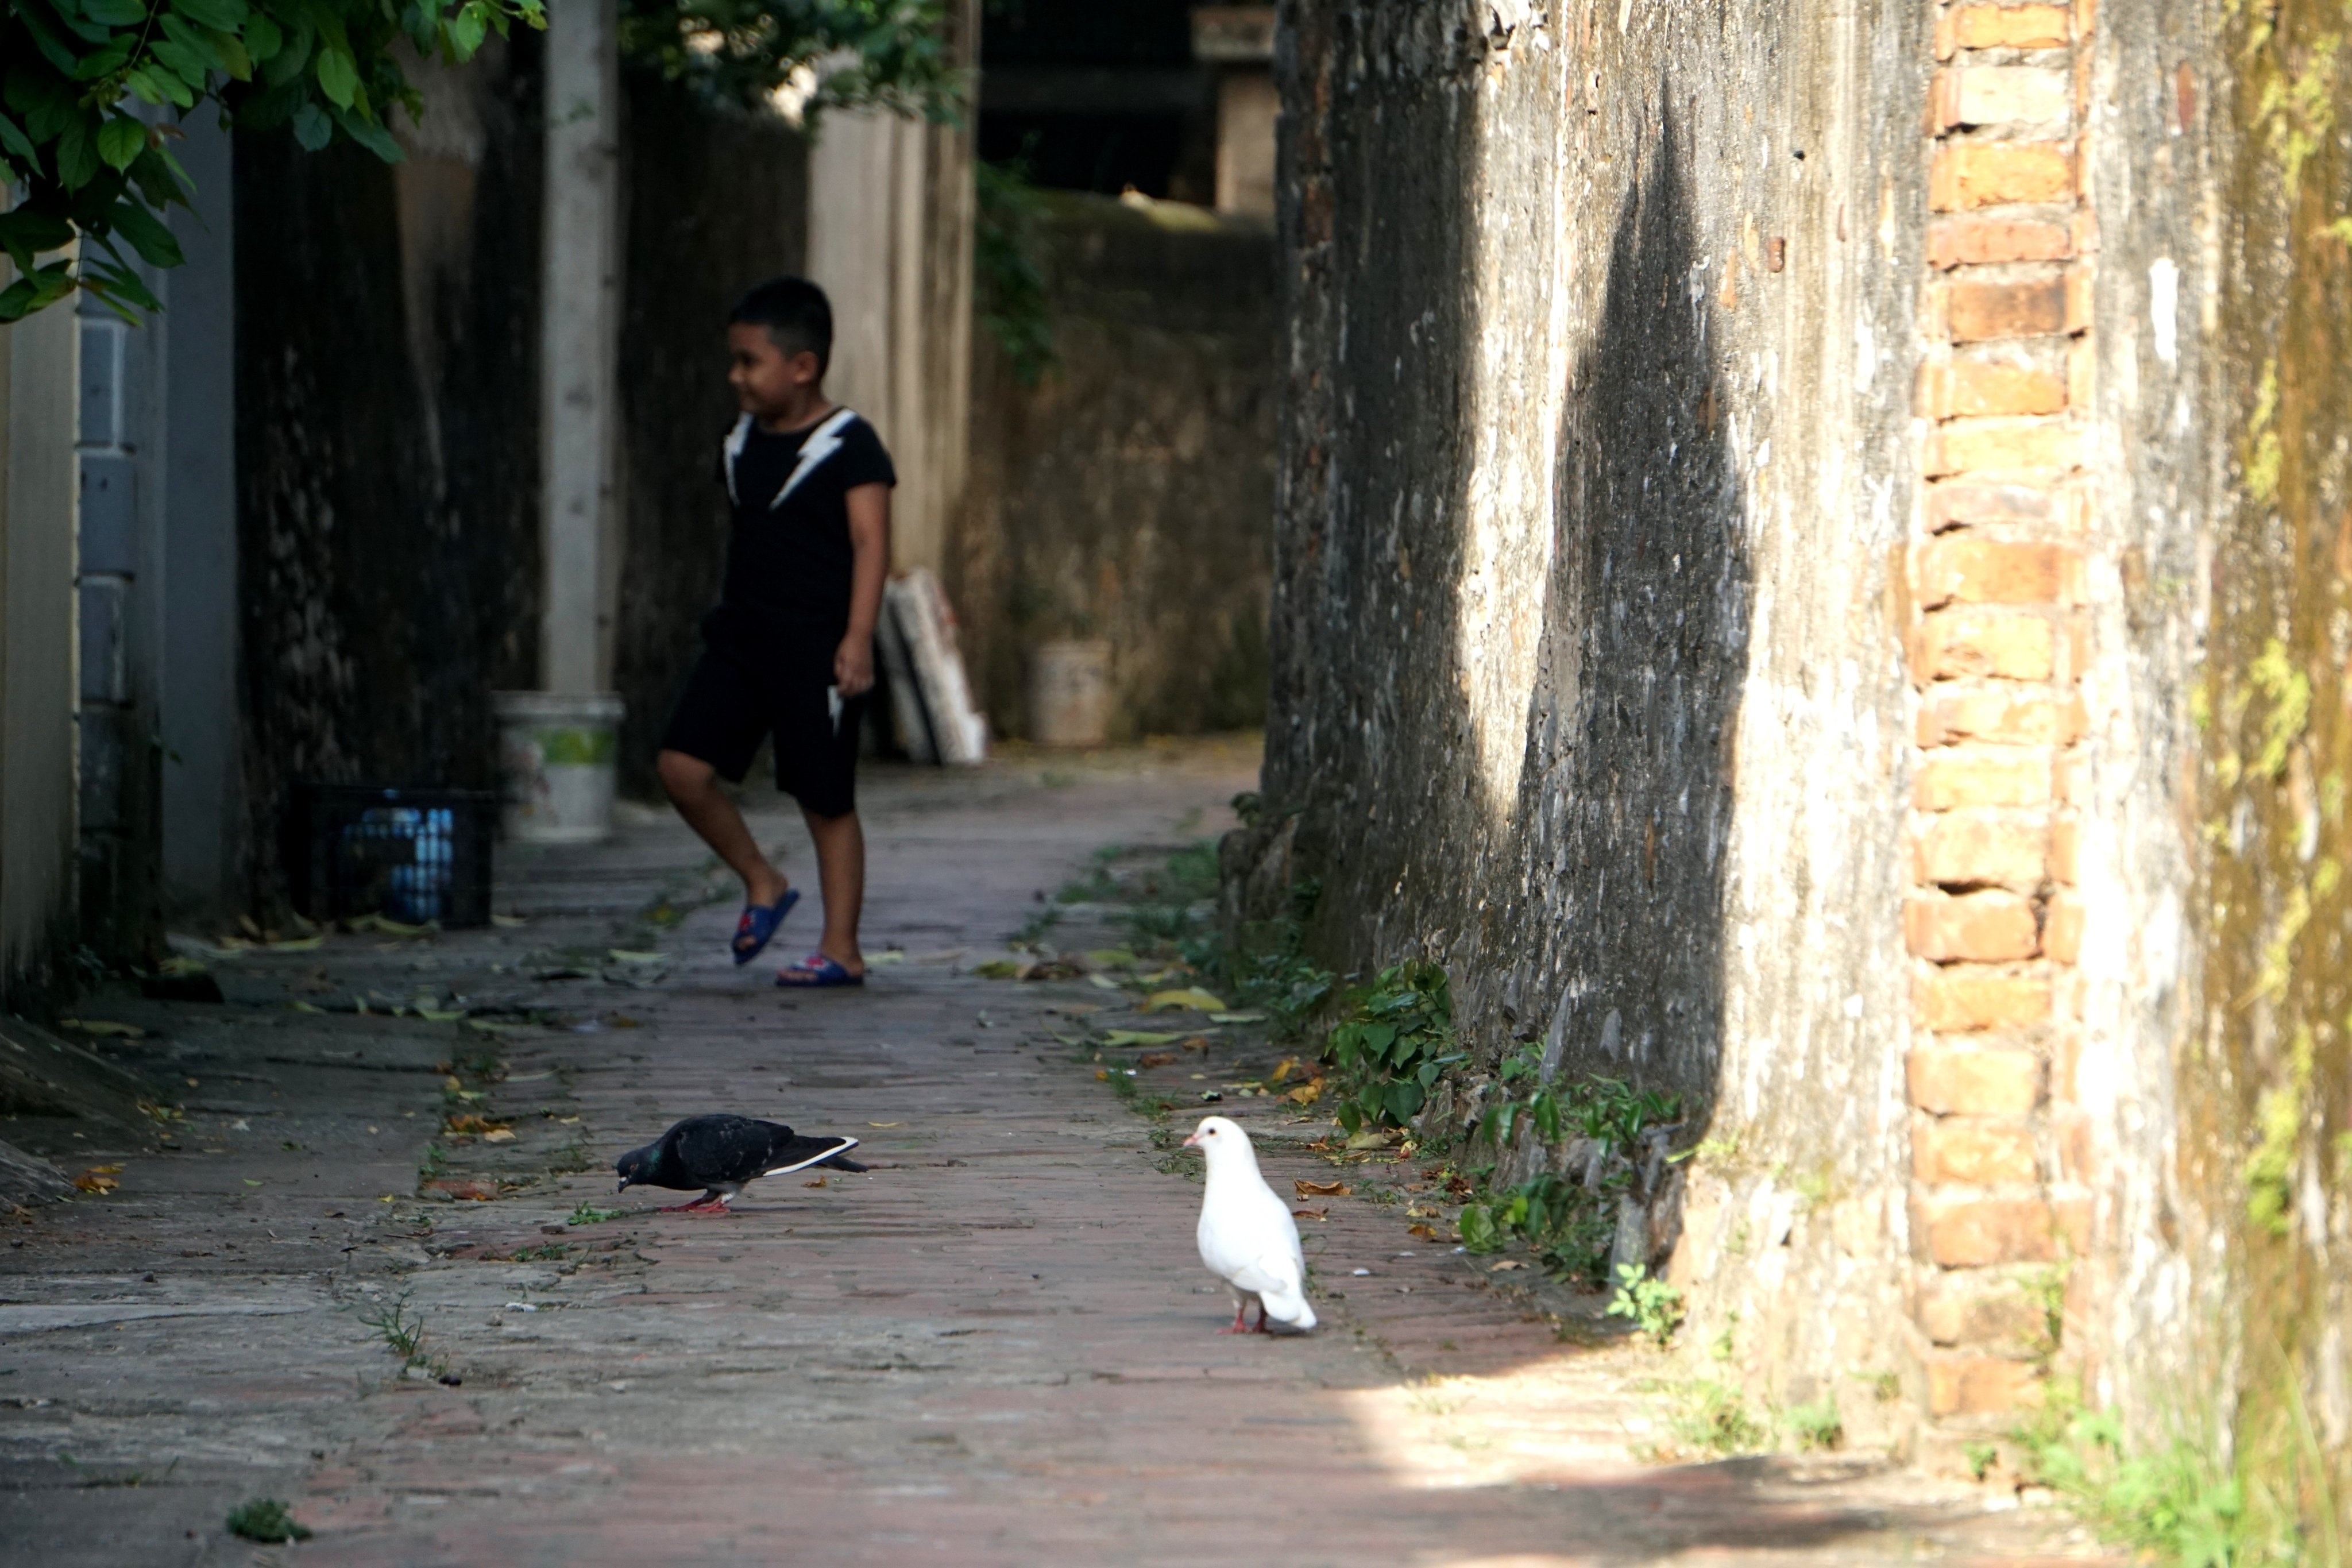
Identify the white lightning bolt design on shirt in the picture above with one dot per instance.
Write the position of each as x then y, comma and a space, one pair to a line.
822, 442
733, 449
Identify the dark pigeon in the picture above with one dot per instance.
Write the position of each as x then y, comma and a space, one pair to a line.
722, 1153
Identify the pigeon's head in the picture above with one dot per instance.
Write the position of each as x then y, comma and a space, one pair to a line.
1220, 1138
635, 1167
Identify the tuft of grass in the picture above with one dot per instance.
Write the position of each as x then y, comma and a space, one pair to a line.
1032, 930
402, 1333
1709, 1417
266, 1519
589, 1214
2179, 1501
1816, 1425
1131, 1095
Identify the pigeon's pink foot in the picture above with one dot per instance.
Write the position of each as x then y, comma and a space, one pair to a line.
1239, 1313
703, 1204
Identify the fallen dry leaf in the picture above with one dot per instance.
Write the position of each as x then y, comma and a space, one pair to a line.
1192, 997
818, 1182
106, 1170
1426, 1232
1155, 1059
1307, 1189
1287, 1066
1500, 1263
885, 1124
1312, 1213
103, 1027
499, 1135
1306, 1093
96, 1184
1197, 1043
1139, 1037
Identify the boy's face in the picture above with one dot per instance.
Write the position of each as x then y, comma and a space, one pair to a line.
768, 383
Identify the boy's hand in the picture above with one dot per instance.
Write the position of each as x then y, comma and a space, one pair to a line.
853, 665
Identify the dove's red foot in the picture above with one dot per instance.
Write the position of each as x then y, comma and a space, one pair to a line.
1239, 1313
705, 1204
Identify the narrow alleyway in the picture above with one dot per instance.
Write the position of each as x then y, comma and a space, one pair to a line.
997, 1347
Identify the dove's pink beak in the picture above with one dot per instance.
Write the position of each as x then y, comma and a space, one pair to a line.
1192, 1140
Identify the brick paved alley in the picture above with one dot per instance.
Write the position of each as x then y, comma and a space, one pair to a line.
997, 1347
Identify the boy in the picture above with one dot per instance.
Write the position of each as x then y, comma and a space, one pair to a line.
789, 651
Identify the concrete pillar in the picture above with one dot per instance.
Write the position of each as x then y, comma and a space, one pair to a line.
890, 239
579, 348
559, 746
37, 513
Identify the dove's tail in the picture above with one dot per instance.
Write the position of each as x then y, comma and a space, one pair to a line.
1287, 1308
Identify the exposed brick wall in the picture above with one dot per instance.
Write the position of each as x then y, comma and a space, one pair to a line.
1997, 647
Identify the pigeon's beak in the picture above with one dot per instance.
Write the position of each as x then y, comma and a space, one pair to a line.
623, 1186
1192, 1140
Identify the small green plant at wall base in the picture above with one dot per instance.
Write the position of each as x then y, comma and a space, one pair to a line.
1570, 1227
1817, 1425
589, 1214
2177, 1501
1710, 1418
1980, 1457
266, 1519
1655, 1306
1394, 1043
1608, 1110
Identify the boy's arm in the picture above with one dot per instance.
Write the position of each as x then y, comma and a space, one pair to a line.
869, 544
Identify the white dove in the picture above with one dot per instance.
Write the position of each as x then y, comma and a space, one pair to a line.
1247, 1237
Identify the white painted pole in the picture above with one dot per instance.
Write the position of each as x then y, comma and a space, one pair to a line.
579, 345
558, 745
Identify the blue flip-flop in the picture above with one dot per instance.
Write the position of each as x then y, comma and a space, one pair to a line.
816, 970
759, 922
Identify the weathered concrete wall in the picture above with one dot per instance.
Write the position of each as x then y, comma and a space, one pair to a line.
1595, 454
2011, 951
716, 203
1128, 494
387, 446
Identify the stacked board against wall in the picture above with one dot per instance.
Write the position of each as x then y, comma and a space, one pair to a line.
930, 699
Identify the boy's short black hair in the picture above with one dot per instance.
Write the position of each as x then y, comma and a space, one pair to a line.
798, 316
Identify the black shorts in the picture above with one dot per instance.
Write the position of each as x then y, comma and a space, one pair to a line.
728, 705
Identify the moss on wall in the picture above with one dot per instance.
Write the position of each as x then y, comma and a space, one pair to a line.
2268, 1087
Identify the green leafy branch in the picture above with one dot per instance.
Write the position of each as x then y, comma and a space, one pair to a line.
899, 55
89, 85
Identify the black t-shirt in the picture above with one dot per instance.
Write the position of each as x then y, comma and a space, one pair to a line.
788, 555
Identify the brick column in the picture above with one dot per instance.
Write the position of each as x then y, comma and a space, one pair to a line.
1996, 645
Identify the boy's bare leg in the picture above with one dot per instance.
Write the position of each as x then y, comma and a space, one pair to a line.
841, 874
693, 786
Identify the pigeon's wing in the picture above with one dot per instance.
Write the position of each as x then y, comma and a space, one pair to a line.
715, 1149
793, 1152
1253, 1242
1279, 1272
1271, 1273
